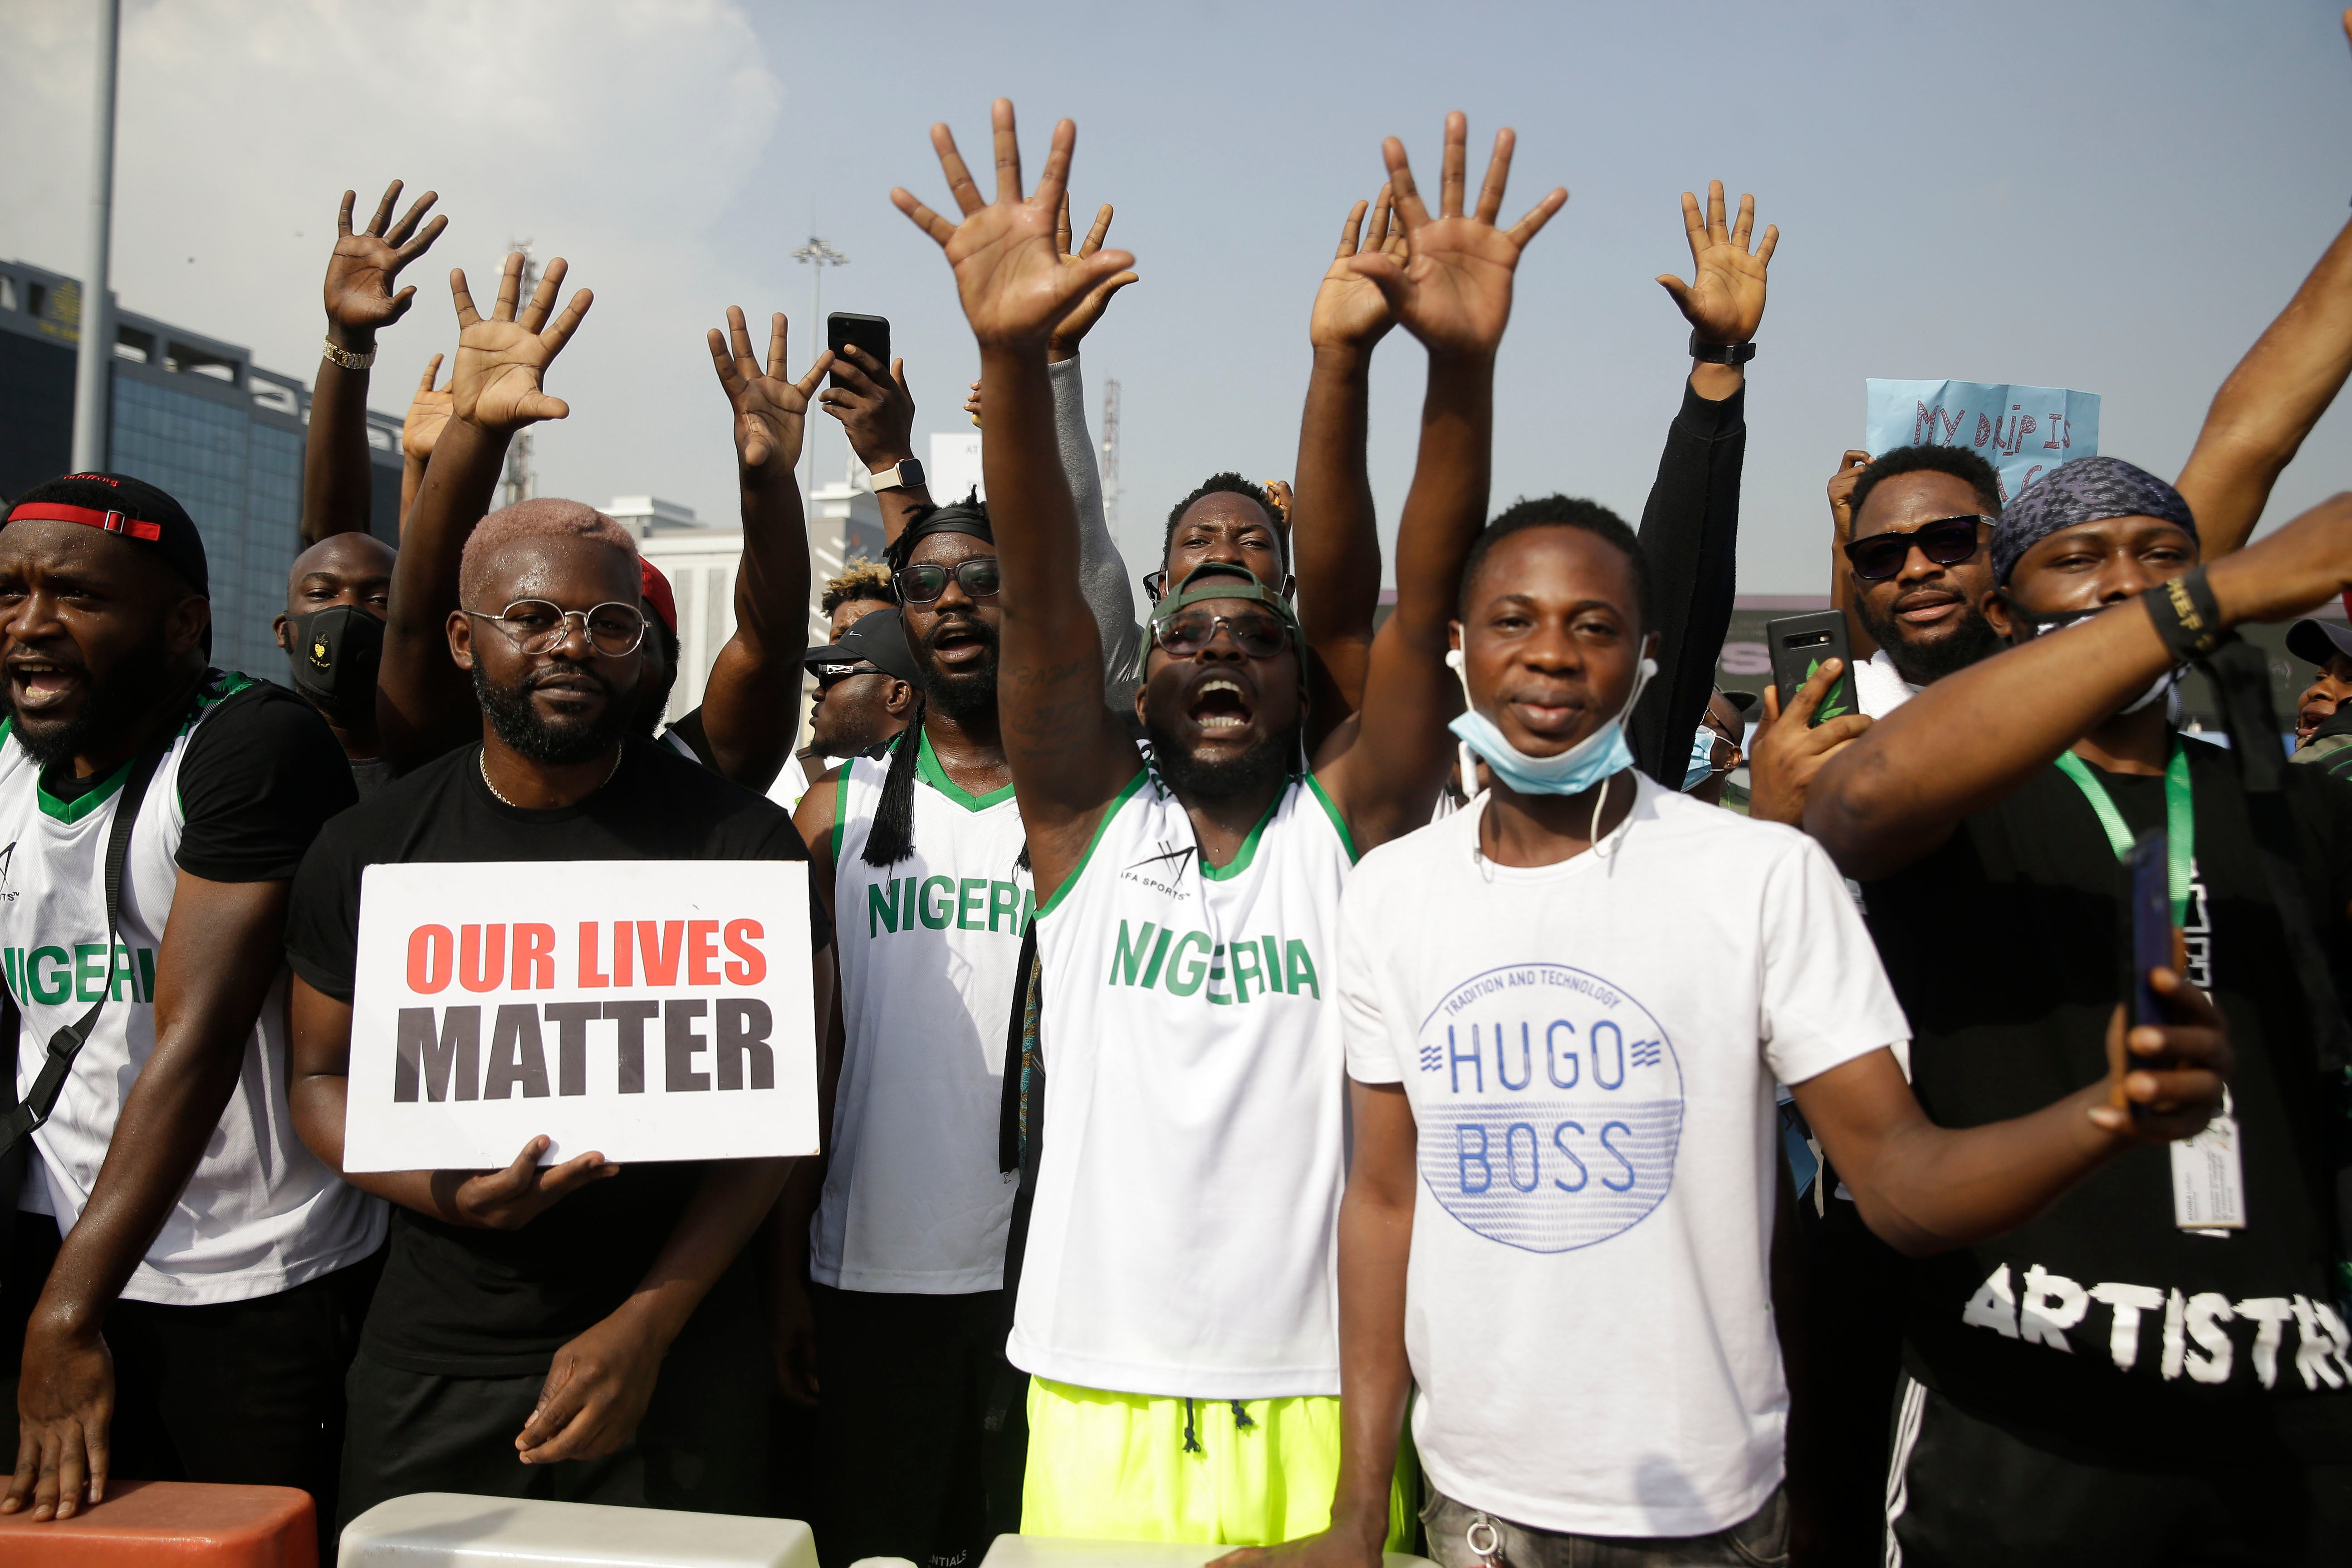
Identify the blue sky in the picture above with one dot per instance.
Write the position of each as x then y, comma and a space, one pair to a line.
2111, 197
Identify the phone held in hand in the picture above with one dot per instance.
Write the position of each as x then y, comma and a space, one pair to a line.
1799, 645
843, 329
2146, 871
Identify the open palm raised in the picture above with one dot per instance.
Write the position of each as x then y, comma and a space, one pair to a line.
1016, 283
1454, 289
770, 409
1724, 299
502, 358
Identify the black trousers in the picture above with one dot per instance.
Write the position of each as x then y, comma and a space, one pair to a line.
247, 1393
702, 1447
1965, 1491
907, 1384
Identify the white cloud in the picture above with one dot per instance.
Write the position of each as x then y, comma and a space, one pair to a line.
618, 135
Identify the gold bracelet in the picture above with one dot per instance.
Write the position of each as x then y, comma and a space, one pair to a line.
347, 359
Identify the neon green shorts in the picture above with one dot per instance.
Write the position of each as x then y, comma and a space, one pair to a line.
1136, 1467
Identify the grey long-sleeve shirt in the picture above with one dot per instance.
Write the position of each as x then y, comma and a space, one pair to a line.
1102, 571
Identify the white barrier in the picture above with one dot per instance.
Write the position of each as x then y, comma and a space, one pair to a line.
455, 1530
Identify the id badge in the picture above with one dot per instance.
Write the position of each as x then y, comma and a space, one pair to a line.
2208, 1184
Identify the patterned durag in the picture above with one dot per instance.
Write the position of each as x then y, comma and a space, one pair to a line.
2088, 489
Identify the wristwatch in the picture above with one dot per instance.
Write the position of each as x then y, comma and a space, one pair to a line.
1720, 354
904, 474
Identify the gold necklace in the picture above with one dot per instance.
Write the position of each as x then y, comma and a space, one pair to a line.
483, 760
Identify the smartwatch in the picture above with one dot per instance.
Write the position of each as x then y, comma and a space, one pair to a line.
904, 474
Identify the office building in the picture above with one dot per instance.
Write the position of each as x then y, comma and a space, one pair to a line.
194, 415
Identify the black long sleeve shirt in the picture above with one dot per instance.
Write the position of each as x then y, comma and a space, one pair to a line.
1690, 537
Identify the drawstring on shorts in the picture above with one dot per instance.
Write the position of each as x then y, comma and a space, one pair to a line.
1242, 1423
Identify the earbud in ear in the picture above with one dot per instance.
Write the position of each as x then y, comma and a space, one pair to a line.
1454, 658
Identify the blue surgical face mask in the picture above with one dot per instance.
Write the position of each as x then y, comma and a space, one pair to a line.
1702, 759
1600, 756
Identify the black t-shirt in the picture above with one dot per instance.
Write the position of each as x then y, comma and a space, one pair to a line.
261, 775
461, 1301
2005, 947
370, 774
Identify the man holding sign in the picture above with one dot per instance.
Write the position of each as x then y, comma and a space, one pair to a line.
442, 1005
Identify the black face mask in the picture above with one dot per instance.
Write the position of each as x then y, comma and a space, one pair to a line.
334, 653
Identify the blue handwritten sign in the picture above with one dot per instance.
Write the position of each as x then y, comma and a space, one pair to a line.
2022, 431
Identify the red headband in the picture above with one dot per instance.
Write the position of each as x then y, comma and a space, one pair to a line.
111, 521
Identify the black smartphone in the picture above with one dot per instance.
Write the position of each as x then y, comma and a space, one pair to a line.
1797, 644
871, 334
2148, 872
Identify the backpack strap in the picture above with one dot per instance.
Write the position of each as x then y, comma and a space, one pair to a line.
32, 1108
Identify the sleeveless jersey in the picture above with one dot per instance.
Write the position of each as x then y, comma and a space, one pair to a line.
1182, 1239
260, 1214
913, 1200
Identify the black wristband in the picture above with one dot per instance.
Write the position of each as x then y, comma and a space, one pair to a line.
2186, 615
1720, 354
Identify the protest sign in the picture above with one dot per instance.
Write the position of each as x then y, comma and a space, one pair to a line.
2022, 431
647, 1009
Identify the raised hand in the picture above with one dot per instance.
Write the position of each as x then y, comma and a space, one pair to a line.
1009, 276
1089, 309
1453, 292
1349, 310
770, 409
360, 272
876, 410
1725, 303
502, 359
1850, 468
427, 412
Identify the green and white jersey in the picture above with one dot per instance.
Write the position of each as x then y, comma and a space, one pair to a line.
913, 1200
1181, 1241
244, 788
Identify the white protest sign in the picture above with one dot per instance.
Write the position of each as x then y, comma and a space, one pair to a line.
647, 1009
2022, 431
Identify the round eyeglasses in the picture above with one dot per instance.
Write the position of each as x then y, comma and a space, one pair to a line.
536, 626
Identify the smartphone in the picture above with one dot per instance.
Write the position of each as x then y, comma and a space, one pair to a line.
1799, 645
2147, 873
871, 334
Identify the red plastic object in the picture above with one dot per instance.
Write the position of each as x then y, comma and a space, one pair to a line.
173, 1523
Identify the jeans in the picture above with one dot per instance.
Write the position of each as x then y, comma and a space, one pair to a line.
1461, 1536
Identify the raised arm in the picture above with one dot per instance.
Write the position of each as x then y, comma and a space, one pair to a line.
336, 486
428, 411
1068, 753
1102, 569
1849, 473
424, 703
1384, 771
1690, 526
751, 706
1335, 539
878, 415
2271, 400
1899, 791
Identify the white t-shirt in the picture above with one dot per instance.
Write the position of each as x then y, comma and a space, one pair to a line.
1589, 1049
1879, 688
259, 1213
913, 1200
1182, 1242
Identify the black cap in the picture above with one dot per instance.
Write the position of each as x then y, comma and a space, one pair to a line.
2316, 642
879, 638
131, 510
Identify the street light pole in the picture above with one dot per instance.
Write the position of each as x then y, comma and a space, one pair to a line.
94, 364
816, 256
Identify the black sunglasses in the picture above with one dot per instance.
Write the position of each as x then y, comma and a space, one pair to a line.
923, 585
828, 676
1188, 633
1947, 541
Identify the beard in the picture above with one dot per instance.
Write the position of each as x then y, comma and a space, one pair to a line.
556, 743
135, 684
1922, 663
966, 695
1264, 764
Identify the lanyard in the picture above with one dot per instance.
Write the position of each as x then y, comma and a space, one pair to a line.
2179, 819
